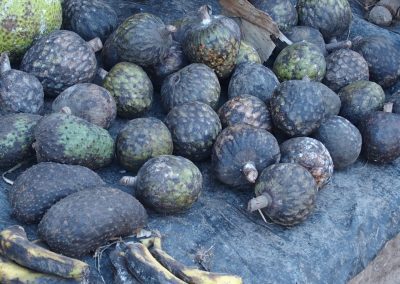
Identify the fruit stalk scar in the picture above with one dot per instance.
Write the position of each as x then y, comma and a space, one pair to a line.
5, 64
260, 202
66, 110
95, 44
128, 181
250, 171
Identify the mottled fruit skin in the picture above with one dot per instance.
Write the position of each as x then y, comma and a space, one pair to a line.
131, 88
195, 82
311, 154
299, 60
381, 136
16, 138
20, 92
142, 139
238, 145
247, 53
194, 127
245, 109
60, 60
292, 190
109, 53
23, 21
168, 184
344, 67
331, 17
42, 185
68, 139
90, 218
360, 99
253, 79
297, 107
90, 102
342, 139
306, 33
383, 59
281, 11
331, 100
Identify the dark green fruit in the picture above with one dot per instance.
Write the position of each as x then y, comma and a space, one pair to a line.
330, 98
89, 219
312, 155
89, 19
109, 53
241, 152
253, 79
142, 139
344, 67
16, 138
359, 99
214, 41
41, 186
383, 59
298, 107
245, 109
167, 184
131, 88
381, 136
299, 60
195, 82
342, 139
88, 101
19, 91
281, 11
60, 60
247, 53
68, 139
184, 24
194, 127
331, 17
286, 193
306, 33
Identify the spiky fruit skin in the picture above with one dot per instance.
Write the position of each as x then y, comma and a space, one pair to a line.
239, 144
195, 82
342, 139
297, 107
68, 139
292, 190
331, 100
311, 154
90, 218
253, 79
24, 21
383, 59
142, 139
43, 185
89, 19
282, 12
247, 53
360, 99
194, 126
131, 88
344, 67
90, 102
331, 17
214, 42
247, 110
299, 60
381, 136
60, 60
309, 34
16, 138
20, 92
169, 184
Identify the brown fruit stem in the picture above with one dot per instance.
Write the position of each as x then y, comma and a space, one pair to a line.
250, 171
388, 107
205, 12
167, 31
128, 181
259, 202
338, 45
5, 64
102, 73
95, 44
66, 110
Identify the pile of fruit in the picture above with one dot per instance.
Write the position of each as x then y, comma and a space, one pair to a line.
282, 132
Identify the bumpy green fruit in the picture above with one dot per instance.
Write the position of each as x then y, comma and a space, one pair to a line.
247, 53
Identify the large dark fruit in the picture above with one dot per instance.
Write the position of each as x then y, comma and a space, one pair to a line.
282, 12
306, 33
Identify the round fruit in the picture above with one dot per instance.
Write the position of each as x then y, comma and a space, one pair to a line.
247, 53
381, 16
131, 88
241, 152
142, 139
342, 139
300, 60
60, 60
245, 109
195, 82
253, 79
286, 193
88, 101
330, 98
167, 184
282, 12
194, 127
309, 34
312, 155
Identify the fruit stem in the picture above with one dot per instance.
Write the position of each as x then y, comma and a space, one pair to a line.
259, 202
66, 110
95, 44
102, 73
128, 181
250, 171
388, 107
205, 12
338, 45
5, 64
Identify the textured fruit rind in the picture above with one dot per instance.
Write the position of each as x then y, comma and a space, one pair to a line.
282, 12
247, 53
